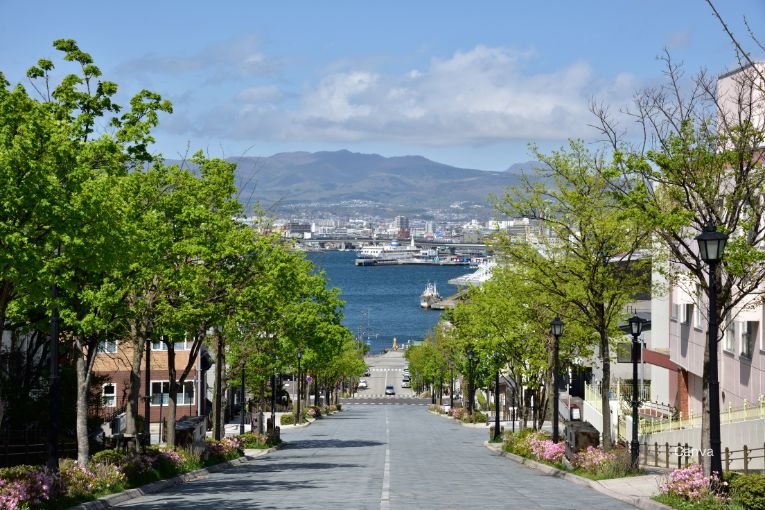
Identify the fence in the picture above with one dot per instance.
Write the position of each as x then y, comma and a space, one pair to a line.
679, 455
27, 446
746, 412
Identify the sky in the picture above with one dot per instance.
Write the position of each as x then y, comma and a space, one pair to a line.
470, 84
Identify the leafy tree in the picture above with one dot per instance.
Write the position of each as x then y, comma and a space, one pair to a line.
588, 263
700, 164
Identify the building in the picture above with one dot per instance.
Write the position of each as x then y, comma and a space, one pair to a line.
112, 368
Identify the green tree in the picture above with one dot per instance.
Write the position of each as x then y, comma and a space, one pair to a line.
588, 262
699, 165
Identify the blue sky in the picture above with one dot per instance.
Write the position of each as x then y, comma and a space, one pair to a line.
464, 83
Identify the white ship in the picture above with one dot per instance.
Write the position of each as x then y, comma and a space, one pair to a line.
386, 254
482, 274
429, 296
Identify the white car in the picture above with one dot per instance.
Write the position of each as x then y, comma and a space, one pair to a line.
363, 384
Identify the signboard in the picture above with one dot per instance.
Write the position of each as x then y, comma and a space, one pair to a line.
308, 379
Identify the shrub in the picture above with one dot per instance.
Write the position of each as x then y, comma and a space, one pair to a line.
168, 462
545, 449
139, 469
313, 412
26, 486
115, 457
749, 490
598, 463
457, 413
287, 419
109, 477
228, 448
690, 484
255, 440
519, 442
476, 417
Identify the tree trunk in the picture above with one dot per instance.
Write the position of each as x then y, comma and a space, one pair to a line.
171, 414
83, 387
218, 389
138, 339
605, 358
173, 395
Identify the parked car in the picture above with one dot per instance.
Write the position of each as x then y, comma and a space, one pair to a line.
406, 383
367, 372
390, 390
363, 384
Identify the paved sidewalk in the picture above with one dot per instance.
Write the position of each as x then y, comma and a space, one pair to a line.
635, 490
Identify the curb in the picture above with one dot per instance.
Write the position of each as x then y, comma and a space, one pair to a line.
160, 485
636, 501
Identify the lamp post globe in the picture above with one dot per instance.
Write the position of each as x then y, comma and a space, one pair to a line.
556, 328
711, 248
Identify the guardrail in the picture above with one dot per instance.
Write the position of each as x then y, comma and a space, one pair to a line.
748, 411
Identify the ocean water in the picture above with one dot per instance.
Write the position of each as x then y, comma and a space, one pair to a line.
384, 302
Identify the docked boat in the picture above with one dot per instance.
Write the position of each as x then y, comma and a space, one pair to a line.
429, 296
379, 255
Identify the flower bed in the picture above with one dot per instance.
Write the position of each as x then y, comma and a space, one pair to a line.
109, 471
689, 489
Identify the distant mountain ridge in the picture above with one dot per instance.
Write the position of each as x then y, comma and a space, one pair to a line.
344, 179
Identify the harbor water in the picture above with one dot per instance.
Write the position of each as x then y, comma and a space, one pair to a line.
383, 302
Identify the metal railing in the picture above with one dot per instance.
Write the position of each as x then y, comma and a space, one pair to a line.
748, 411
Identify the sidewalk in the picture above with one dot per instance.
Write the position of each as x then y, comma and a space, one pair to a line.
635, 490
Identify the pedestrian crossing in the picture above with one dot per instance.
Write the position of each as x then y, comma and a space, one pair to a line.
381, 395
386, 403
385, 369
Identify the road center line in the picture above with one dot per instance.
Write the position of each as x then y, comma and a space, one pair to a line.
385, 496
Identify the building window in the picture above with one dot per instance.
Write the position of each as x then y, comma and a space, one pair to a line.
674, 311
183, 345
109, 394
697, 309
686, 312
748, 336
730, 338
160, 393
109, 346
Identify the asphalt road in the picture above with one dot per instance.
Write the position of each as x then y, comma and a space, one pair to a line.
380, 457
385, 369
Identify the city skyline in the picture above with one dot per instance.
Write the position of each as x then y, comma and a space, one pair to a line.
469, 86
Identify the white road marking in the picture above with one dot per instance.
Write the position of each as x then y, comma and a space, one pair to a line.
385, 496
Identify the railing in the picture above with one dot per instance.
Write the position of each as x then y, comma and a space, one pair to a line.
592, 397
681, 455
624, 390
746, 412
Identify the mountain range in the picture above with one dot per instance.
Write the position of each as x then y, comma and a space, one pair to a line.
349, 183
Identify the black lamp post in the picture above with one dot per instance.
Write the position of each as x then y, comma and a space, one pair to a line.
636, 327
470, 381
556, 328
711, 248
451, 384
241, 416
299, 380
497, 434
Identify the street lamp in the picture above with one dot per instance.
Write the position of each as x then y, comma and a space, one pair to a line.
711, 247
299, 380
470, 381
451, 384
497, 360
241, 418
636, 327
556, 328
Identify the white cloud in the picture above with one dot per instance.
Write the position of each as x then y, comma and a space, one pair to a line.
479, 96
